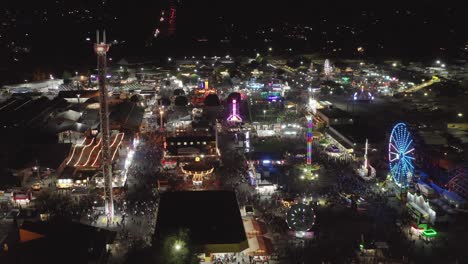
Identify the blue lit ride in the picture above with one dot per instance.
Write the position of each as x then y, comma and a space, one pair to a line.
401, 155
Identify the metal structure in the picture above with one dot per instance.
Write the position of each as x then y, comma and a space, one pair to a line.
365, 156
310, 124
401, 155
366, 171
101, 49
459, 181
363, 96
327, 68
234, 117
300, 217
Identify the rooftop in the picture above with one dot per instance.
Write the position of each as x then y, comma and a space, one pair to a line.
57, 242
212, 217
335, 113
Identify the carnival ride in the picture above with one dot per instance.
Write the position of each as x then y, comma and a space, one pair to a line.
234, 116
300, 218
198, 170
327, 68
202, 92
310, 124
401, 155
459, 185
366, 171
363, 96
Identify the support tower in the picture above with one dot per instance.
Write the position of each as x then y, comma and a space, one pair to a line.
101, 49
310, 124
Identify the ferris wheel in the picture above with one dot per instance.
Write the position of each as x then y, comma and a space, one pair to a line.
300, 217
401, 155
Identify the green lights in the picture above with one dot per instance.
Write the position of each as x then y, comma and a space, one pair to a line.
422, 226
361, 246
429, 233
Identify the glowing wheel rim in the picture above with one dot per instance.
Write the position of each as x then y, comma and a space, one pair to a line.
401, 155
300, 217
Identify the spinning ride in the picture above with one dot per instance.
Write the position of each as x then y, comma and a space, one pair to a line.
300, 218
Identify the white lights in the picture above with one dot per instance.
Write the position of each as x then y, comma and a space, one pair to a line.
177, 247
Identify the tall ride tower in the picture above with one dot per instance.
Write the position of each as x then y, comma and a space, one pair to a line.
310, 124
101, 49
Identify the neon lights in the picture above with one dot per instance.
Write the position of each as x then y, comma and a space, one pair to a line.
82, 150
90, 154
310, 124
73, 154
112, 145
234, 117
429, 233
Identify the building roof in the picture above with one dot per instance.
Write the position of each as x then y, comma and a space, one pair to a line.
128, 114
69, 115
212, 218
74, 94
28, 112
58, 242
19, 156
256, 155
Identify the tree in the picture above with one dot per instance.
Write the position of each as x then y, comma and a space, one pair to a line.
212, 100
39, 75
233, 96
165, 101
125, 73
181, 101
178, 92
58, 206
177, 249
66, 75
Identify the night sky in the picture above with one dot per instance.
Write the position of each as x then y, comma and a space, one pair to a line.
57, 30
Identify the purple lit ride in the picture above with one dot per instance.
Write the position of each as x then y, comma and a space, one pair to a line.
234, 116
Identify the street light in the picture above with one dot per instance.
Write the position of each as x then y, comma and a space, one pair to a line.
169, 59
177, 247
161, 113
460, 114
270, 49
264, 112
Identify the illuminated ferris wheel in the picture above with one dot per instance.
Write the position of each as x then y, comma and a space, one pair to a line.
401, 155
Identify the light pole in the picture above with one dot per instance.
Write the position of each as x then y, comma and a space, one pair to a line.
161, 114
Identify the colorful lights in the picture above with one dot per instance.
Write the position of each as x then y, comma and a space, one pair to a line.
400, 155
429, 233
310, 124
234, 117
